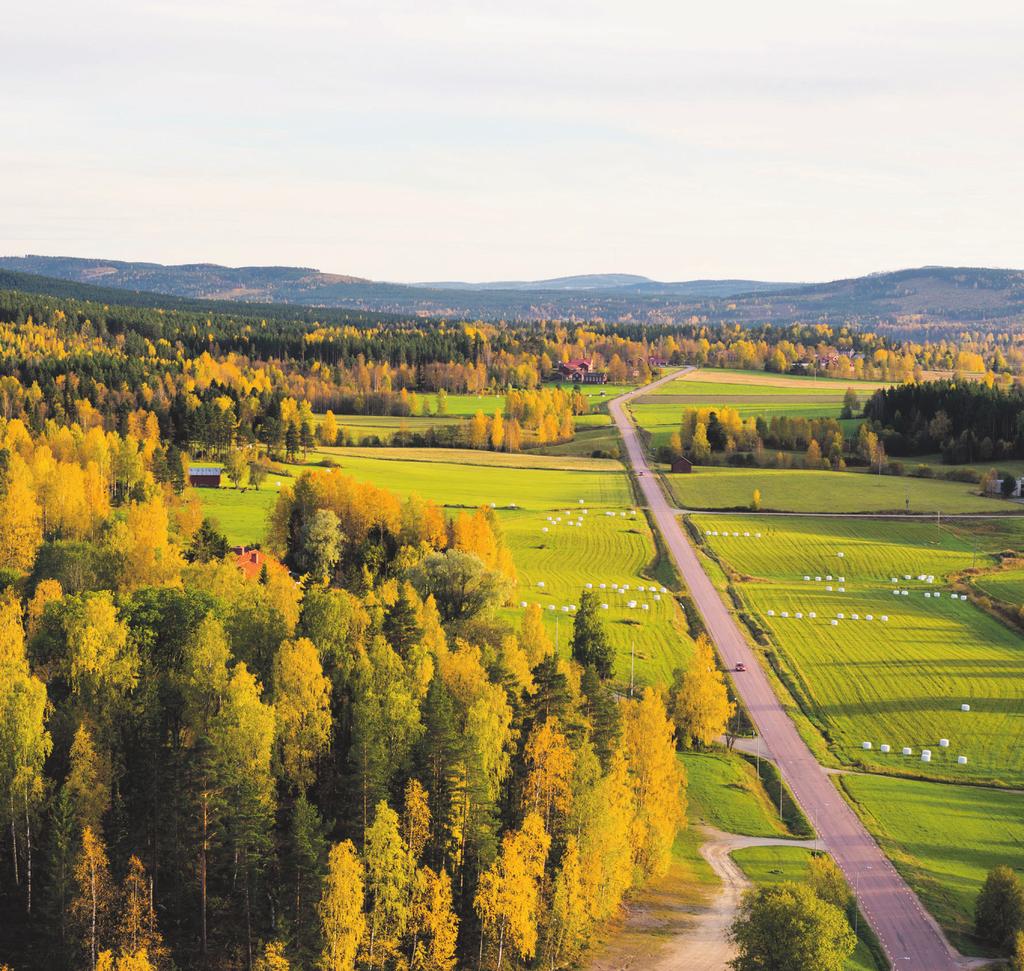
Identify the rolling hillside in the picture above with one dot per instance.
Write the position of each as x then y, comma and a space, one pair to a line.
927, 297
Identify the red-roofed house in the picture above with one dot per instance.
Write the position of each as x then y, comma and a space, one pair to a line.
581, 372
250, 562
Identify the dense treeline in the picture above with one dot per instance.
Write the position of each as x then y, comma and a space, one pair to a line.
349, 760
708, 433
965, 421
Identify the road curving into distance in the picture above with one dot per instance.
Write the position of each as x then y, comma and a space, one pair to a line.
910, 936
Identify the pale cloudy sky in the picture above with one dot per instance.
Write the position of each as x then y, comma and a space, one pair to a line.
474, 139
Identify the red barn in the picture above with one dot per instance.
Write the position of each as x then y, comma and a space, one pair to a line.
204, 476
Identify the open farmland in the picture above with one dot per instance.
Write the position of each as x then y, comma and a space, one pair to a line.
541, 482
943, 839
346, 457
467, 405
383, 427
1007, 585
502, 480
659, 421
901, 681
606, 549
803, 490
715, 382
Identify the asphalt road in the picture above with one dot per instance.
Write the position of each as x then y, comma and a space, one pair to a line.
910, 936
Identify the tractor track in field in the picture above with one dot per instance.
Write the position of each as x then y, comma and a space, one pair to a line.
906, 931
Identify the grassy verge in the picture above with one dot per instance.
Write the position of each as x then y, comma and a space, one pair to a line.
724, 792
780, 797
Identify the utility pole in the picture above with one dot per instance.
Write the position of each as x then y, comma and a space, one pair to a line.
632, 661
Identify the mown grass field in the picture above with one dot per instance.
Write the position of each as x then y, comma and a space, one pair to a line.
802, 490
943, 839
605, 549
764, 865
724, 792
899, 682
241, 516
452, 480
461, 407
1007, 585
467, 405
384, 426
344, 457
724, 381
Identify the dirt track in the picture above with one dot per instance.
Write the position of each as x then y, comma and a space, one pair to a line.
695, 939
908, 933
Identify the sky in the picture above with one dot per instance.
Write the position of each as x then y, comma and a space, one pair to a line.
433, 140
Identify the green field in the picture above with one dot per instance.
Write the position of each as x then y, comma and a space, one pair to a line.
359, 426
1007, 585
528, 481
773, 864
605, 549
943, 839
899, 682
503, 479
658, 415
344, 457
715, 382
720, 390
801, 490
724, 792
241, 516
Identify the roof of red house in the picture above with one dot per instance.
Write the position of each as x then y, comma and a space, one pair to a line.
250, 562
575, 365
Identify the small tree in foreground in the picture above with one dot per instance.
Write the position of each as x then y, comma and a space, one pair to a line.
786, 926
999, 911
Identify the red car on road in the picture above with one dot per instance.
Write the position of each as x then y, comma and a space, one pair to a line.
740, 666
